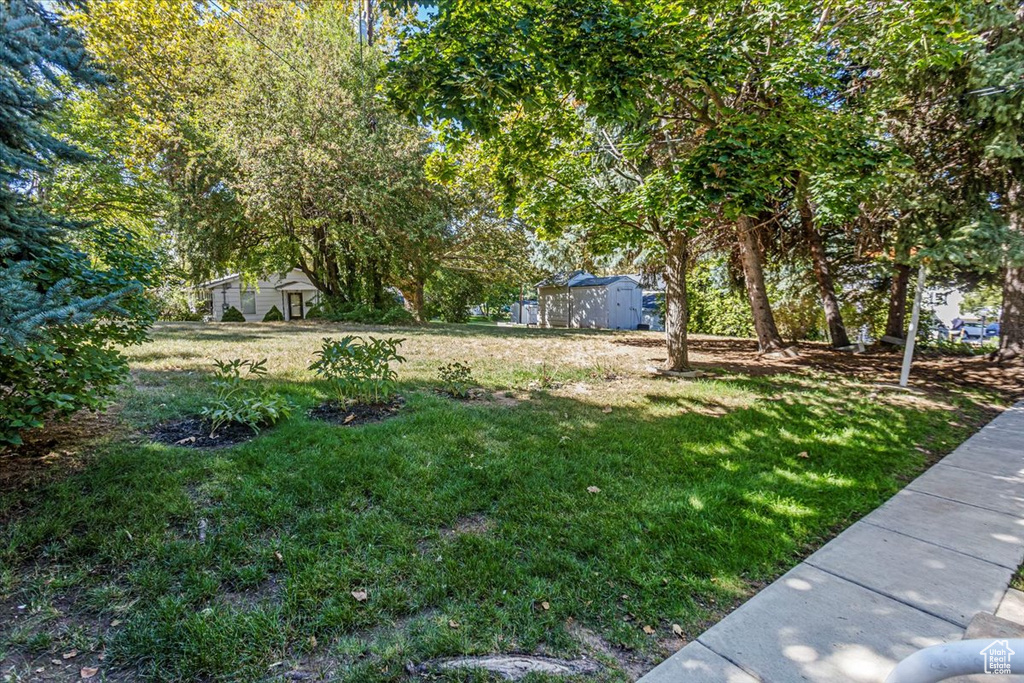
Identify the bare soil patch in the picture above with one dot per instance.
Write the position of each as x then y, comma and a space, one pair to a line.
356, 414
930, 372
631, 662
473, 524
194, 432
54, 451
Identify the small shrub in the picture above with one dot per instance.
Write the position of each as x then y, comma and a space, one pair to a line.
274, 315
238, 399
357, 370
397, 316
176, 303
949, 347
232, 315
455, 379
352, 312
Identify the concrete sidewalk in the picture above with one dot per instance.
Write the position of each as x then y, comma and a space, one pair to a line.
911, 574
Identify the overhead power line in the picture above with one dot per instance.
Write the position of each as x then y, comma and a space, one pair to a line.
231, 15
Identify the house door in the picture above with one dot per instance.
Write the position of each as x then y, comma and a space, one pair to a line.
295, 305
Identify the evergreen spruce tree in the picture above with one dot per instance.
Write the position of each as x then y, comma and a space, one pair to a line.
61, 317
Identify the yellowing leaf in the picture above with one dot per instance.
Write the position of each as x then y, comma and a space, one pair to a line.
648, 630
89, 671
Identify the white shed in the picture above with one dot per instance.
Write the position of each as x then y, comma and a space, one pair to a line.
524, 312
579, 299
291, 292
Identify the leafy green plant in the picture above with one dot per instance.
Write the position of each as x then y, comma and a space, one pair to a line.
397, 316
232, 315
358, 370
456, 379
274, 315
174, 303
950, 347
352, 312
239, 400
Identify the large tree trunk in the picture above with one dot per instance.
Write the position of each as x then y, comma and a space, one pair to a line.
896, 318
819, 263
352, 283
676, 311
415, 301
370, 20
378, 295
768, 337
1011, 326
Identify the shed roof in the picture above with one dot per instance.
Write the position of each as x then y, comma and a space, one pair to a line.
564, 279
602, 281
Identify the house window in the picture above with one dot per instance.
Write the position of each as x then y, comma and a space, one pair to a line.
248, 302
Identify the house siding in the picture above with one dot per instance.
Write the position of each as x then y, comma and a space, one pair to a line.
267, 295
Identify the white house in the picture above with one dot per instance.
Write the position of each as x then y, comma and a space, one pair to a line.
292, 293
579, 299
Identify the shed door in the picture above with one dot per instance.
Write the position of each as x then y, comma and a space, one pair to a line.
622, 312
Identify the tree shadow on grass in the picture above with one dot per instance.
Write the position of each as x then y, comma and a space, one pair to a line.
933, 373
649, 515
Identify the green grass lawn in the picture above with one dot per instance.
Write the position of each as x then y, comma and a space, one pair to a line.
469, 525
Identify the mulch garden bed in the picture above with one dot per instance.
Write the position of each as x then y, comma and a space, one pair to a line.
194, 432
356, 414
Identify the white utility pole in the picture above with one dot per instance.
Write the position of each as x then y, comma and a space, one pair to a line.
915, 318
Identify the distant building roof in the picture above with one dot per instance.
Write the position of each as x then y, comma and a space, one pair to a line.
220, 281
652, 300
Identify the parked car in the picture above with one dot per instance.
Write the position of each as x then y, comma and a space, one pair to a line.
975, 333
971, 332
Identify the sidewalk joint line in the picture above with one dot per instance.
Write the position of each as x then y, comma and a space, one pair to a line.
933, 543
966, 469
886, 595
954, 500
739, 666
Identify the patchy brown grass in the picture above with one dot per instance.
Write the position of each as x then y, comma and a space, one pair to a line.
56, 450
445, 513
